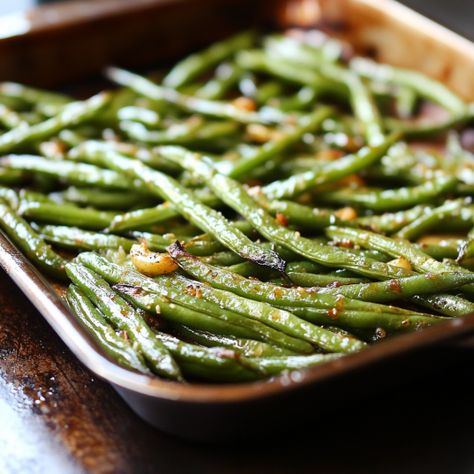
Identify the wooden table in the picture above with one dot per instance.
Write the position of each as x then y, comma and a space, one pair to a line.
56, 417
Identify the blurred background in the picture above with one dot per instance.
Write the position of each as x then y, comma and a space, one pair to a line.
455, 14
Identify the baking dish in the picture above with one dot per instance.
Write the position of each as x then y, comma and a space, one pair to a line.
383, 29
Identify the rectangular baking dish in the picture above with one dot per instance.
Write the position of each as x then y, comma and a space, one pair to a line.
151, 31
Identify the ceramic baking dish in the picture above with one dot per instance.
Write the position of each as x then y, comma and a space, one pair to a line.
70, 43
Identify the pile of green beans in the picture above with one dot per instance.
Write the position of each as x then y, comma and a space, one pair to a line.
264, 208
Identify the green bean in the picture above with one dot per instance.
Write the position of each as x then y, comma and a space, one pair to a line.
223, 279
195, 245
393, 199
305, 97
369, 320
268, 91
466, 251
301, 215
76, 238
148, 294
305, 266
423, 85
67, 214
246, 347
192, 131
235, 196
115, 346
15, 199
96, 152
71, 137
419, 260
333, 171
218, 109
392, 290
248, 269
31, 95
125, 318
100, 198
204, 244
120, 98
9, 177
10, 119
182, 315
314, 279
189, 68
194, 210
307, 54
406, 100
73, 114
429, 220
226, 76
278, 319
277, 365
74, 173
227, 258
140, 218
446, 304
389, 223
139, 114
361, 98
442, 249
422, 130
259, 61
30, 243
89, 150
211, 364
307, 124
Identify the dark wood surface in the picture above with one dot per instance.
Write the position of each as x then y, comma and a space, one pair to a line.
56, 417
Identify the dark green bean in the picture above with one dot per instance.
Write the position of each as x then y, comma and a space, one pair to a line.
67, 214
278, 319
237, 197
333, 171
246, 347
393, 199
189, 68
115, 346
72, 114
30, 243
125, 318
182, 296
224, 279
218, 109
423, 85
100, 198
307, 124
392, 290
76, 238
